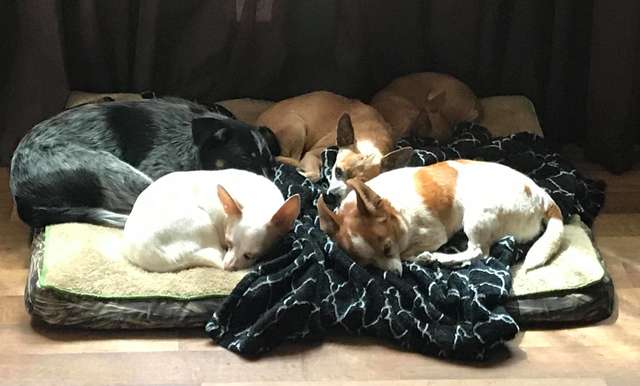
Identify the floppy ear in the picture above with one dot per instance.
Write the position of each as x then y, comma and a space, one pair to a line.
283, 219
436, 102
203, 129
329, 221
271, 139
396, 159
345, 136
368, 201
231, 207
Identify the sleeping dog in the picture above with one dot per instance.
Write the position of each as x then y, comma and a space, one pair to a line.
90, 163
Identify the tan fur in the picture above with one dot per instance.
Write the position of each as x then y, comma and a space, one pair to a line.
426, 104
553, 212
376, 228
305, 125
527, 191
436, 184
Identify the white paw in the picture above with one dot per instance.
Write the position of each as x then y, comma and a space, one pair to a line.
391, 265
426, 256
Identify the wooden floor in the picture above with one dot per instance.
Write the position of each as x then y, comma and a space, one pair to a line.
603, 354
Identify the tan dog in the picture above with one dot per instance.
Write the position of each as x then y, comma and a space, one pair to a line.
426, 104
306, 125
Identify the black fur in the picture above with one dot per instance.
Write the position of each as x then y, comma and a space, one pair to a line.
90, 163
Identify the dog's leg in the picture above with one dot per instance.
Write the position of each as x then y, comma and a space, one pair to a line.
209, 257
289, 161
311, 164
292, 134
479, 230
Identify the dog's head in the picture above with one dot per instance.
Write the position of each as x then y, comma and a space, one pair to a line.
229, 143
353, 162
248, 237
367, 228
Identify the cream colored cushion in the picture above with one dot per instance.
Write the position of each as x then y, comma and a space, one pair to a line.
577, 265
86, 259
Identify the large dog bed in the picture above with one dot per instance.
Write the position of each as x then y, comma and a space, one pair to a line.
312, 287
78, 277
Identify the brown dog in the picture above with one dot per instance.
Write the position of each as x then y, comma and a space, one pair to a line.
426, 104
307, 124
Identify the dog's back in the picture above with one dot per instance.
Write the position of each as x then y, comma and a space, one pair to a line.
318, 113
88, 164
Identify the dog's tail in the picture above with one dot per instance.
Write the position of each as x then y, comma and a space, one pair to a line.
548, 244
78, 195
41, 216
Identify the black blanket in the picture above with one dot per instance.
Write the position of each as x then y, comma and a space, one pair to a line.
313, 287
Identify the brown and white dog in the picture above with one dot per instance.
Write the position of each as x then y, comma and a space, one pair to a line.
408, 213
426, 104
307, 124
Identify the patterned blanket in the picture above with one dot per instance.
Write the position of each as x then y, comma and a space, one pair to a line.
313, 288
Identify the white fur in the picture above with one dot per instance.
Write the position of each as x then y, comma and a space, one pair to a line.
178, 221
367, 147
490, 202
337, 186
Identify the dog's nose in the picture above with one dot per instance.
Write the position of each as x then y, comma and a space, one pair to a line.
229, 264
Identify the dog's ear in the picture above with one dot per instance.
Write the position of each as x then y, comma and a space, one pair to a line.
204, 129
231, 207
283, 219
367, 200
421, 125
396, 159
271, 139
329, 221
435, 102
220, 109
346, 136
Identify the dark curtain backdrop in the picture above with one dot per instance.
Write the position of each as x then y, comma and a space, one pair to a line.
576, 60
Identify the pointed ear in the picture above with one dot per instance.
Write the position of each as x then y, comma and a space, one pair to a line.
421, 125
231, 207
345, 136
436, 102
203, 129
368, 201
329, 221
283, 219
396, 159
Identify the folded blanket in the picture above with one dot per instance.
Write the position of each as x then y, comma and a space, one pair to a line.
313, 287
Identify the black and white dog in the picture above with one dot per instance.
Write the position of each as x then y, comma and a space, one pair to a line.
90, 163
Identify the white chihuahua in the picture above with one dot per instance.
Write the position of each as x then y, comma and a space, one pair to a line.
408, 213
226, 219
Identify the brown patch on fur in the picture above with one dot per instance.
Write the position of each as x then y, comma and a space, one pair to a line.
553, 212
436, 184
527, 191
357, 165
374, 229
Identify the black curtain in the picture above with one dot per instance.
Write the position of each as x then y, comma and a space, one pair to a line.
576, 60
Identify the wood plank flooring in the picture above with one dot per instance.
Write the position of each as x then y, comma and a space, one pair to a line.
604, 354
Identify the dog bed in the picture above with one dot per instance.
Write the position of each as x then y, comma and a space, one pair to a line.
78, 277
313, 287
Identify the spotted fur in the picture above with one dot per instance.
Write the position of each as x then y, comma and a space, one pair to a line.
408, 213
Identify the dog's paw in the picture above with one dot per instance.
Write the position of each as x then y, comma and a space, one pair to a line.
312, 176
426, 257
